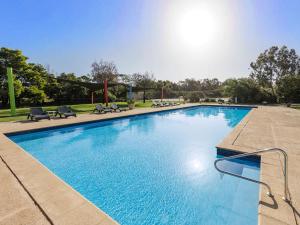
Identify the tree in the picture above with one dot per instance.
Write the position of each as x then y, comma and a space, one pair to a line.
203, 88
33, 78
273, 65
246, 90
71, 92
16, 60
289, 89
144, 81
53, 89
30, 78
104, 70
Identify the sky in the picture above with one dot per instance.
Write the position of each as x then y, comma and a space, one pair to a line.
173, 39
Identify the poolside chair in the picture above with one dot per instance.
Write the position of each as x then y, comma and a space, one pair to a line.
155, 104
166, 104
161, 104
101, 109
221, 101
65, 111
228, 102
37, 114
116, 108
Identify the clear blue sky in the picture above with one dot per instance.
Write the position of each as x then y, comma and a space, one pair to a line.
174, 39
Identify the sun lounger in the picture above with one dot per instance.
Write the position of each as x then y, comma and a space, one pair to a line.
37, 114
116, 108
161, 104
101, 109
65, 111
166, 104
155, 104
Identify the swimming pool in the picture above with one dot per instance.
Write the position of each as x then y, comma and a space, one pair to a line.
153, 169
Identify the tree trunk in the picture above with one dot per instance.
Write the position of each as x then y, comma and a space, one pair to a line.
274, 94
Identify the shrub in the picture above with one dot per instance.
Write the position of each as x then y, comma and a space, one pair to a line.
247, 90
194, 97
288, 89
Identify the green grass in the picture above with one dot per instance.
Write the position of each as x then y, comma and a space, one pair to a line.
143, 105
296, 106
21, 113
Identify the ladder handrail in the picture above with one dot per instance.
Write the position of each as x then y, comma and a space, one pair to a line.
269, 193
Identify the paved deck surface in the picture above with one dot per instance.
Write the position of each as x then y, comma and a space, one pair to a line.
267, 127
31, 194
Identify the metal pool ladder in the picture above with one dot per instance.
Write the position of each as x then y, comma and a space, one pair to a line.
269, 193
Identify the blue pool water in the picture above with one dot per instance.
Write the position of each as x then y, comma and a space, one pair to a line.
153, 169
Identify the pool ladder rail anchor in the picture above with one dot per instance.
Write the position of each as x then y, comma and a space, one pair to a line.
269, 193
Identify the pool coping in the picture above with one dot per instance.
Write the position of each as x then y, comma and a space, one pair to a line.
246, 137
24, 165
117, 116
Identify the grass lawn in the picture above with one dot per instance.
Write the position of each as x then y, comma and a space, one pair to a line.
81, 108
296, 106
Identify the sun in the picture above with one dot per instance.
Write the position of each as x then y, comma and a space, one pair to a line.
197, 26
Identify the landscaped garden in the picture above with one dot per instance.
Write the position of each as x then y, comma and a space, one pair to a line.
274, 79
21, 113
150, 112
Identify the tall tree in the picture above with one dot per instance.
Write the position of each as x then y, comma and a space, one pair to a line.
289, 89
71, 92
30, 79
34, 79
104, 70
247, 90
16, 60
144, 81
274, 64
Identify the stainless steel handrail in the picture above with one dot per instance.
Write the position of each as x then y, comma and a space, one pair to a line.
269, 193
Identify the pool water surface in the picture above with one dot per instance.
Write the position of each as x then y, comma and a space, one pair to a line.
153, 169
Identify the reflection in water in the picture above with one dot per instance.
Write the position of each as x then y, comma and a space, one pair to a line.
229, 113
194, 166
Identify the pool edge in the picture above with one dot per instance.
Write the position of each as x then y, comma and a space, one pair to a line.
119, 116
274, 210
22, 162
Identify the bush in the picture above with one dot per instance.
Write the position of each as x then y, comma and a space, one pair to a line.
288, 89
194, 97
247, 90
209, 100
111, 97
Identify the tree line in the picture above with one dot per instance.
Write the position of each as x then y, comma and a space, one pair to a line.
274, 77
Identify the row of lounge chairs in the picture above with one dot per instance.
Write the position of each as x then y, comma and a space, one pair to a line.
38, 113
113, 108
156, 104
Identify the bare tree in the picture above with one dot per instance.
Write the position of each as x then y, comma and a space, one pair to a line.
104, 70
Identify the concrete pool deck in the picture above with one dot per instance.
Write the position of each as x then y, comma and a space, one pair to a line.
268, 127
31, 194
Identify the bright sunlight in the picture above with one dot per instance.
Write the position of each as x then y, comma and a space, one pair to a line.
197, 26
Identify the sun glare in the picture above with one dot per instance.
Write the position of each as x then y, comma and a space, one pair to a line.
197, 26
